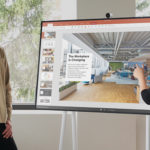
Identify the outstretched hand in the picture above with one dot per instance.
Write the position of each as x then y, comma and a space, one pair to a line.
139, 72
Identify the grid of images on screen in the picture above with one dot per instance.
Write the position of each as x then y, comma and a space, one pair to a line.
47, 56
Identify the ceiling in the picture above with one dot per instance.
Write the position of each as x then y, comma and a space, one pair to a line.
118, 46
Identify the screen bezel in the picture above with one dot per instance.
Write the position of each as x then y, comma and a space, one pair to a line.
86, 109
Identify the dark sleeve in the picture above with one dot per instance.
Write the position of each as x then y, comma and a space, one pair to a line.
146, 96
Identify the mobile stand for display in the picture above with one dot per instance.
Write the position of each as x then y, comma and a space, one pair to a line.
74, 130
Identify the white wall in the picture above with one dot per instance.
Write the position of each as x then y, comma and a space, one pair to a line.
140, 132
68, 9
85, 9
107, 131
40, 131
98, 8
95, 131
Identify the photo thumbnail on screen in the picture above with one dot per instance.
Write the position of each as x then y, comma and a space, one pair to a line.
46, 67
98, 66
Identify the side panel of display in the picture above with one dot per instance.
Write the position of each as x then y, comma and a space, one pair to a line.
45, 78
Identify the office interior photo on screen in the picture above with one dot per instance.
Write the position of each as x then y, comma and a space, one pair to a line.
88, 65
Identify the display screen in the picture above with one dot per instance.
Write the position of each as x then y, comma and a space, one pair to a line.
88, 64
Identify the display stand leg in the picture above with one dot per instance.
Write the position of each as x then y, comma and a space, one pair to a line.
74, 130
62, 131
147, 132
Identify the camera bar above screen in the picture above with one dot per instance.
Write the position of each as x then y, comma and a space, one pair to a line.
87, 65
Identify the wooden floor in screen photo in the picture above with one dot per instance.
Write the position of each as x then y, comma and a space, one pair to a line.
104, 92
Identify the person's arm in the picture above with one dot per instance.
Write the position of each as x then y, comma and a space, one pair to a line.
8, 91
8, 88
139, 74
144, 89
8, 131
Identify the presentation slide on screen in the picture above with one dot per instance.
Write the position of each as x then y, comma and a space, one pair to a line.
87, 76
95, 63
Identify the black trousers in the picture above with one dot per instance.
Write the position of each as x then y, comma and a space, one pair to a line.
6, 144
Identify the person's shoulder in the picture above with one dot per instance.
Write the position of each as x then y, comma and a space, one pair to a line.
1, 48
2, 52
